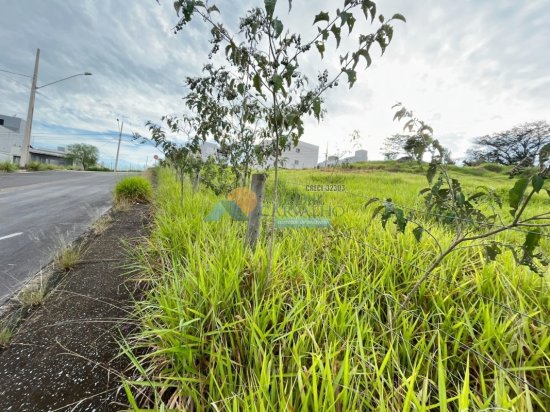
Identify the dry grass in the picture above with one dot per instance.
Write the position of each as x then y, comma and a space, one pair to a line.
67, 257
101, 224
33, 295
121, 205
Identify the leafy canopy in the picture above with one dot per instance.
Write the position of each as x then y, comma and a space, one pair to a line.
87, 154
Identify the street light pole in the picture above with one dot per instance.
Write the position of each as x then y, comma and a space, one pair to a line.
28, 126
25, 155
118, 147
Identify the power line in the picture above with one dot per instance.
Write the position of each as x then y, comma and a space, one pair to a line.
18, 74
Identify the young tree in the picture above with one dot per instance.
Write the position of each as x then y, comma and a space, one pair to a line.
87, 154
268, 57
184, 158
448, 203
522, 143
229, 117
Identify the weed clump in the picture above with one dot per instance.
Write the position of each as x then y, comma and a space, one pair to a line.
7, 167
133, 189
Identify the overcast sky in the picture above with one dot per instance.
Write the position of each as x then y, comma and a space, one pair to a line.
467, 67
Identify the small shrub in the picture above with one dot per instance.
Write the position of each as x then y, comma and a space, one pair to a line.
67, 258
32, 296
133, 189
98, 168
7, 167
493, 167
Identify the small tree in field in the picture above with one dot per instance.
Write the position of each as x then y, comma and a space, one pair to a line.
467, 214
266, 58
87, 154
184, 158
228, 115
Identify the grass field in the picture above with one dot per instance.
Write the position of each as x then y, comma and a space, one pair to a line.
321, 334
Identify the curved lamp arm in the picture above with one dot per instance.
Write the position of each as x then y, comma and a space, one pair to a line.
70, 77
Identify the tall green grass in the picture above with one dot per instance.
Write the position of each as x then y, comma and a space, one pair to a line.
8, 167
321, 335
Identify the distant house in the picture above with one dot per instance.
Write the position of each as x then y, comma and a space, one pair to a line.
303, 156
12, 130
11, 138
330, 161
359, 156
208, 149
51, 157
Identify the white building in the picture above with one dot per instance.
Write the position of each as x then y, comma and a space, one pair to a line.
12, 130
208, 149
359, 156
303, 156
11, 138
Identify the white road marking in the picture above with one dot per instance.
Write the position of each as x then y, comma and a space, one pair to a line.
12, 235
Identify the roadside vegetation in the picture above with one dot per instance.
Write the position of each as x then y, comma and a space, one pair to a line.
415, 297
67, 257
7, 167
133, 189
322, 334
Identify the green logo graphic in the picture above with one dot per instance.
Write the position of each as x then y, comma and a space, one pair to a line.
226, 206
239, 203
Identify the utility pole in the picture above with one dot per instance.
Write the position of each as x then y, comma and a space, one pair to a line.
120, 126
28, 126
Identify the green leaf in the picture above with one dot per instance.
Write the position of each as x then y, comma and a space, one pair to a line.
369, 7
240, 88
532, 240
278, 26
213, 8
371, 201
317, 107
270, 7
347, 18
321, 47
398, 16
417, 232
400, 220
336, 31
537, 182
460, 198
515, 195
352, 76
548, 191
257, 83
277, 83
381, 18
432, 170
376, 211
366, 55
322, 16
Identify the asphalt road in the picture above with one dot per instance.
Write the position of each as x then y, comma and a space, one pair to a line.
41, 211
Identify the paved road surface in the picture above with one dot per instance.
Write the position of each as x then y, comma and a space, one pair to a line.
39, 211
